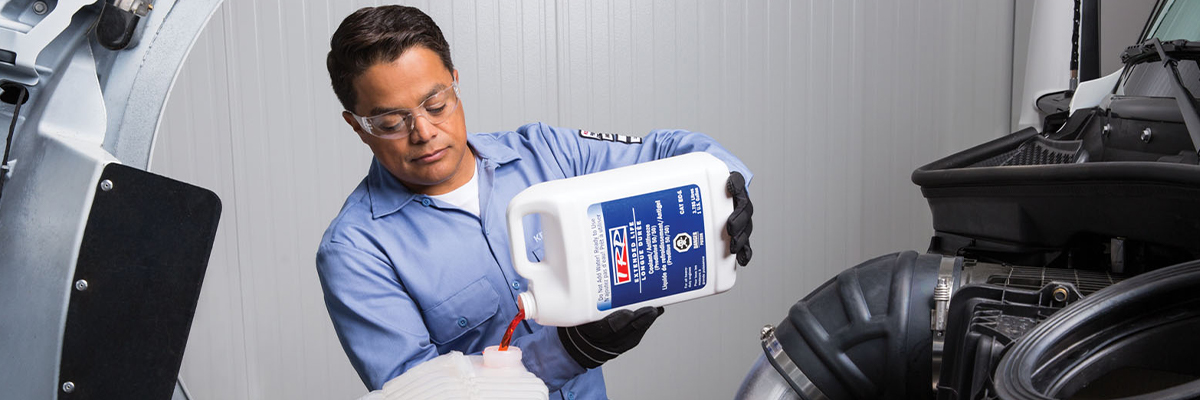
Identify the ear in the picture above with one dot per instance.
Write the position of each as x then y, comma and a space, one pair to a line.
455, 73
362, 135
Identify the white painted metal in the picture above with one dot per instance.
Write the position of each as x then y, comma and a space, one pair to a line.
25, 43
1048, 61
78, 112
46, 207
831, 103
56, 159
141, 76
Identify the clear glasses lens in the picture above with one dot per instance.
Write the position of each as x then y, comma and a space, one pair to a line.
398, 124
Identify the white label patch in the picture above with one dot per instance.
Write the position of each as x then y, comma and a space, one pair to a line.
609, 137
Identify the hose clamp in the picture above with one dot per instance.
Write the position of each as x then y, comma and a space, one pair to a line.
784, 365
940, 313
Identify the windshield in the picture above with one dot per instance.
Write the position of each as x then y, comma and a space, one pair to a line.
1178, 20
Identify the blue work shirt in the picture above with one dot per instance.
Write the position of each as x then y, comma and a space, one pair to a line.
408, 277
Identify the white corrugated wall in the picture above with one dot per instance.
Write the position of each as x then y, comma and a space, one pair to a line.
831, 103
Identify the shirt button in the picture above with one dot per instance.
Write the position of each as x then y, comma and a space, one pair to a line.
426, 202
571, 395
462, 322
516, 285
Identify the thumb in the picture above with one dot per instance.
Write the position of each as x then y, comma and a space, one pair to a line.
644, 317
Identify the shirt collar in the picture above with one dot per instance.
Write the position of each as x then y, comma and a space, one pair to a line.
388, 196
488, 148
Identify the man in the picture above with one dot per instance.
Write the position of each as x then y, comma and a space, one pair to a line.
417, 262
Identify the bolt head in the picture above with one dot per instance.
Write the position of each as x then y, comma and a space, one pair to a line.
106, 185
81, 285
1146, 134
40, 7
767, 331
68, 386
1060, 294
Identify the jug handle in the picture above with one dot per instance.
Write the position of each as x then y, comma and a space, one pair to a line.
516, 234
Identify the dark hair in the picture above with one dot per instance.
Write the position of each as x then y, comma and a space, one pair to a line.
375, 35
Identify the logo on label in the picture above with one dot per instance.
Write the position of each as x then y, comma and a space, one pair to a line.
619, 248
683, 242
610, 137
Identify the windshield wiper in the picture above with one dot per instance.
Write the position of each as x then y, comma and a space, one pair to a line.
1147, 51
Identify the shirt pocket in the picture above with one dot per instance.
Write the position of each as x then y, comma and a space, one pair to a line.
462, 312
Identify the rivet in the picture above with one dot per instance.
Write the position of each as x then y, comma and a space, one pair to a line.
39, 7
106, 185
81, 285
1107, 129
1146, 134
68, 386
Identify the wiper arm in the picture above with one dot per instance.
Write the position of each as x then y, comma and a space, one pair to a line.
1187, 103
1148, 51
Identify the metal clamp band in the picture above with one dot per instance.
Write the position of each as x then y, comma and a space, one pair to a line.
938, 315
805, 387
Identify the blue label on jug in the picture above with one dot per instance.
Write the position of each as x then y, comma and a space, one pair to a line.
648, 246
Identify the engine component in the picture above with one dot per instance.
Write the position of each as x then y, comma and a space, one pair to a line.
995, 307
1140, 334
764, 383
862, 335
882, 329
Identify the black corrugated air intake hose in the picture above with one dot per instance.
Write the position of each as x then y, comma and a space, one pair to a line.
864, 334
1137, 339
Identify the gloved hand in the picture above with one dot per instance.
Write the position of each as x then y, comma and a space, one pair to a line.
739, 224
593, 343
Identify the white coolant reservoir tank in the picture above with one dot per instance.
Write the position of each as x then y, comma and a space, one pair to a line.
649, 234
491, 376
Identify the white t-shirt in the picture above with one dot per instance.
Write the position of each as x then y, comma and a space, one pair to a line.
466, 196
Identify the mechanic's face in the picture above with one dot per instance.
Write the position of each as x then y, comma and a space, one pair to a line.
433, 158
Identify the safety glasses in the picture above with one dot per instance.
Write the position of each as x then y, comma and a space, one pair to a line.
398, 124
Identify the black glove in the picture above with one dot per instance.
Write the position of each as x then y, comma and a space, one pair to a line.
739, 224
593, 343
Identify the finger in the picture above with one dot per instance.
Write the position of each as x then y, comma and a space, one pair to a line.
743, 257
740, 218
644, 317
738, 242
735, 184
612, 323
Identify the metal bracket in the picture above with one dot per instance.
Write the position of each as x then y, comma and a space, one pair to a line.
137, 7
1116, 254
23, 47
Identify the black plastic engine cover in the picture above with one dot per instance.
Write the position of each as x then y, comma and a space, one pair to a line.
983, 321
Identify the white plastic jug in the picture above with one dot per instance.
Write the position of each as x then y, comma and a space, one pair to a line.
649, 234
493, 375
